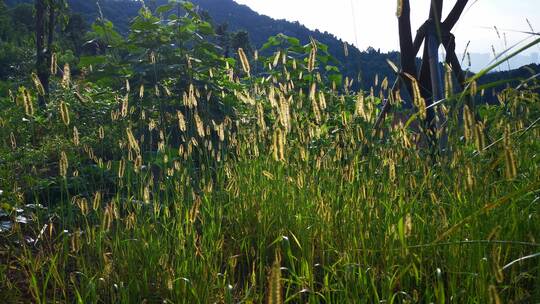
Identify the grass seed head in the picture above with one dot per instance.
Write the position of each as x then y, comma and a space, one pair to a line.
181, 121
132, 141
76, 140
312, 57
141, 91
54, 64
244, 61
66, 78
274, 291
63, 164
121, 168
101, 132
479, 137
399, 11
38, 85
27, 101
509, 157
448, 83
64, 113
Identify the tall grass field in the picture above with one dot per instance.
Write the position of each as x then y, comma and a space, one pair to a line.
262, 179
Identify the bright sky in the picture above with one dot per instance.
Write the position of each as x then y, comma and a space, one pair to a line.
373, 22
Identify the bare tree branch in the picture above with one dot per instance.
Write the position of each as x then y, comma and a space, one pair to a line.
436, 10
405, 39
407, 55
449, 44
454, 15
419, 39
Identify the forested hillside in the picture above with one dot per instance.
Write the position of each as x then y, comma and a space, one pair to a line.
363, 66
226, 15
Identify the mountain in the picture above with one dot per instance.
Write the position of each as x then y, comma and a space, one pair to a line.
478, 61
357, 65
260, 27
362, 66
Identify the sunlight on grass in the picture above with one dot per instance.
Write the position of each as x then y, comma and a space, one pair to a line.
241, 188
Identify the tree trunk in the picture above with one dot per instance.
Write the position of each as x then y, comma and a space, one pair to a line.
41, 56
407, 54
50, 37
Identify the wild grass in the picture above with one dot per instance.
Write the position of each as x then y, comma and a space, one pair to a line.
360, 221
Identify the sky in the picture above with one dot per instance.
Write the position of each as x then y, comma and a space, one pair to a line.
373, 23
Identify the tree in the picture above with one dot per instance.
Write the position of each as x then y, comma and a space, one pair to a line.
432, 34
224, 38
205, 16
74, 33
41, 56
240, 39
22, 16
4, 21
46, 13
